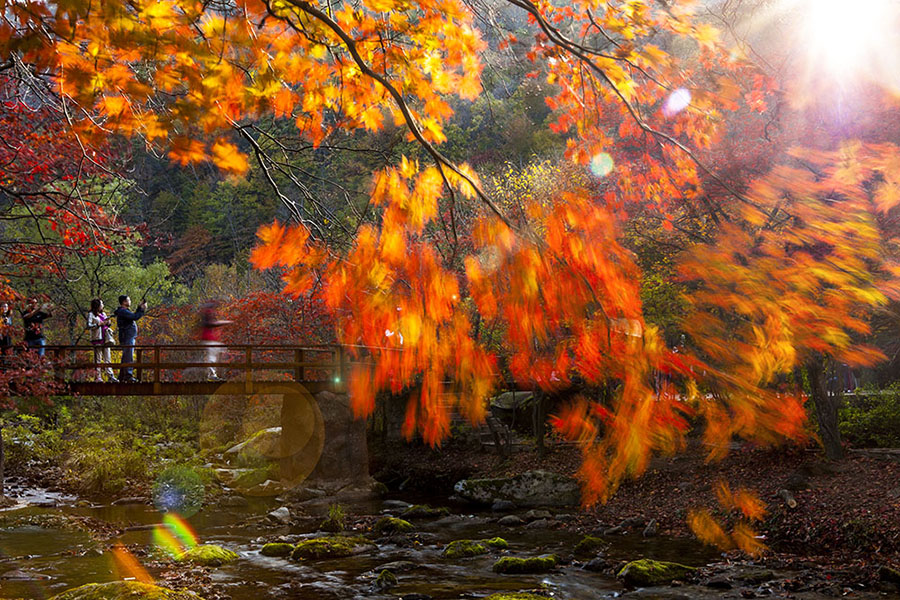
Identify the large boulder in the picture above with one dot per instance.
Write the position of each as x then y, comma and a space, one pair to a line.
261, 447
124, 590
532, 488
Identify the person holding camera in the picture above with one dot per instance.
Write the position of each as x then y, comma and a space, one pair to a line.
126, 323
33, 316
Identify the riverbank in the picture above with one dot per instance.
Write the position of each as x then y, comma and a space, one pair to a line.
843, 515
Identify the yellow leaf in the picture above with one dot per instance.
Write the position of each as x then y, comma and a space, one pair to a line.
227, 157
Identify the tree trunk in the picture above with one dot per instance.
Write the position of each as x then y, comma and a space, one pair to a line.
826, 406
540, 420
2, 460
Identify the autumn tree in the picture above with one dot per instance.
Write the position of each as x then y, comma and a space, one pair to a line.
643, 94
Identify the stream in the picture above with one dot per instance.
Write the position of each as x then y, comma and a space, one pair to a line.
40, 555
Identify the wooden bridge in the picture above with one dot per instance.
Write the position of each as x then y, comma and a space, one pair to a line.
172, 370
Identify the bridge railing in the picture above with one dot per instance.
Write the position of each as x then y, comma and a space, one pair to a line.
158, 363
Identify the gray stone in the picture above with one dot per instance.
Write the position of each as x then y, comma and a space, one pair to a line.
719, 582
233, 501
540, 524
652, 529
131, 500
396, 504
281, 515
597, 565
534, 515
510, 521
502, 506
398, 566
617, 530
533, 488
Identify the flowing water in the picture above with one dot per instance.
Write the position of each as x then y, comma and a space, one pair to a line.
41, 556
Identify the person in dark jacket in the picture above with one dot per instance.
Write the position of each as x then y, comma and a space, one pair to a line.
33, 316
127, 326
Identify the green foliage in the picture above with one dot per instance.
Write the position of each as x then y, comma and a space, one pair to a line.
498, 543
104, 462
335, 522
424, 511
874, 424
535, 564
179, 488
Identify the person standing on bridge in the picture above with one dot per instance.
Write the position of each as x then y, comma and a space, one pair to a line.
101, 336
6, 315
33, 317
210, 336
127, 326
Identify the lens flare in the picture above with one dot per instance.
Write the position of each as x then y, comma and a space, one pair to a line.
601, 164
174, 535
179, 489
127, 566
677, 101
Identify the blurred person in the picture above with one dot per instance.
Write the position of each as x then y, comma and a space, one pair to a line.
5, 327
126, 323
210, 336
33, 316
100, 327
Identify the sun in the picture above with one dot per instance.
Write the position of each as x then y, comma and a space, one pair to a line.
850, 41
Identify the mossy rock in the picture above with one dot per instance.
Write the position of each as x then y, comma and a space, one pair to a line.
535, 564
463, 549
590, 546
515, 596
498, 543
385, 581
647, 572
124, 590
328, 547
423, 511
207, 555
392, 525
277, 549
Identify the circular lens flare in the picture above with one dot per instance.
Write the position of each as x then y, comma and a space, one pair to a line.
677, 101
601, 164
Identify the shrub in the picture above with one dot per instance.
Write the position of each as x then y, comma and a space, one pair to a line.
180, 489
876, 424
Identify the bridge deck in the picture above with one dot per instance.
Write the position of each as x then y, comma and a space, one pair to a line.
168, 370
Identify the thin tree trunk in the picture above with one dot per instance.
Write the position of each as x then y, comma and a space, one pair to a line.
826, 406
2, 460
540, 421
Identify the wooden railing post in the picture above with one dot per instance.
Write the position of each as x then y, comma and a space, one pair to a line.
299, 371
139, 358
248, 370
156, 374
342, 368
